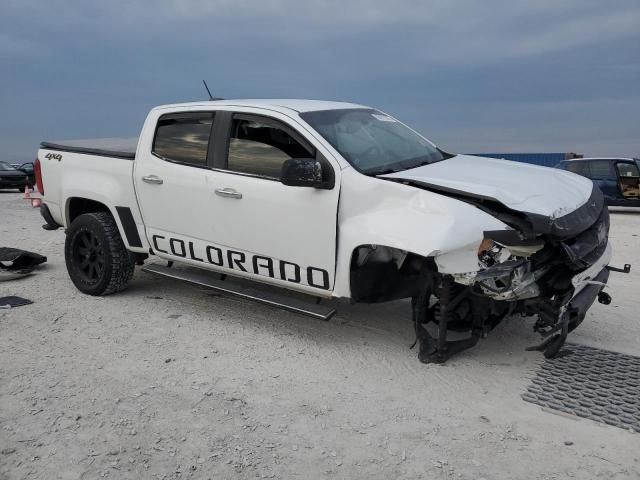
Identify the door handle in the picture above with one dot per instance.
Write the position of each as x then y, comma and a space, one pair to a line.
153, 179
228, 193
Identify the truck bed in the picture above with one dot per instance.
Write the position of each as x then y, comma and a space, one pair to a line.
100, 169
124, 148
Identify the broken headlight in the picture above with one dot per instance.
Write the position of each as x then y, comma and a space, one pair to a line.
491, 252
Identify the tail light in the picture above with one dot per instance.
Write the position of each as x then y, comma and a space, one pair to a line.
38, 171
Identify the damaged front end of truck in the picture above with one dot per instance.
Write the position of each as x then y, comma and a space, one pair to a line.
554, 267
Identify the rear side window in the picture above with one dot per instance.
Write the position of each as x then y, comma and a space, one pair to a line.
184, 137
260, 147
601, 169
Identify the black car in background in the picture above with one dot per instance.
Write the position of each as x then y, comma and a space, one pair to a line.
11, 177
29, 170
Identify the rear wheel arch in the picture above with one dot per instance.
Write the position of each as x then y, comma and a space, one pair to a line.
77, 206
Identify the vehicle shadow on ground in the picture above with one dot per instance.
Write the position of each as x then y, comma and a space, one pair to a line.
386, 325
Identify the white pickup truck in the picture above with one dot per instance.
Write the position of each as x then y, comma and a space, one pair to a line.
332, 200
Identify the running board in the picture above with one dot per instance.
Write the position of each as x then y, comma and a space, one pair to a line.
229, 287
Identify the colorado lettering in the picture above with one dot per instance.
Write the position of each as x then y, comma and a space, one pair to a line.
235, 260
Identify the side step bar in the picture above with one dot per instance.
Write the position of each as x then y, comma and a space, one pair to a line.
228, 287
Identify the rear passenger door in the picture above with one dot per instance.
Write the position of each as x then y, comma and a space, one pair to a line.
281, 234
173, 183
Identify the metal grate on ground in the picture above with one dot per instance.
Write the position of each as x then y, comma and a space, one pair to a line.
591, 383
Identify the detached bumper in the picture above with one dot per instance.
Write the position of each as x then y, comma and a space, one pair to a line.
585, 278
580, 303
587, 285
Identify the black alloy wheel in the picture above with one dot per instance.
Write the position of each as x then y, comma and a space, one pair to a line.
97, 259
88, 255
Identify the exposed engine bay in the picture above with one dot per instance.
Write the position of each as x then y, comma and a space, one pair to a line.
554, 268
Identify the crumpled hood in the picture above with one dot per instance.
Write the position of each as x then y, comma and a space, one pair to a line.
527, 188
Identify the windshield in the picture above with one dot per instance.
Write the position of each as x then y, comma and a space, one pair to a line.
5, 166
373, 142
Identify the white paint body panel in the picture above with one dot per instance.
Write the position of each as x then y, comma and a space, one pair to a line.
520, 186
310, 227
102, 179
380, 212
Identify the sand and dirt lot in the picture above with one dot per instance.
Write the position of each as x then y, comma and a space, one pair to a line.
167, 381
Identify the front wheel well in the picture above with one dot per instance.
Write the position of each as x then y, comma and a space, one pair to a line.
379, 273
76, 206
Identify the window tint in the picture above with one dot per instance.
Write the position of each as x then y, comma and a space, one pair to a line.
581, 168
261, 147
184, 137
628, 170
601, 169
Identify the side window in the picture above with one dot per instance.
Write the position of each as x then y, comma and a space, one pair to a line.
628, 169
601, 169
581, 168
184, 137
260, 147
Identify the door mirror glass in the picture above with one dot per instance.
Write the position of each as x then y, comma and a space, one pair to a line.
302, 172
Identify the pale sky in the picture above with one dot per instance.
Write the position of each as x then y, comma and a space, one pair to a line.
491, 76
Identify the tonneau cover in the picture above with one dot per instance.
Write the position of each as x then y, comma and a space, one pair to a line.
106, 147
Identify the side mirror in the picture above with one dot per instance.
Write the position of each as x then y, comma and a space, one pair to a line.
302, 172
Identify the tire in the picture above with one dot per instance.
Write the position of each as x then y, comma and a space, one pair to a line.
97, 260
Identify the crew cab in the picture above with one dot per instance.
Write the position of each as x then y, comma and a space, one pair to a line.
331, 200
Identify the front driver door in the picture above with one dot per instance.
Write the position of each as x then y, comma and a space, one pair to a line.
279, 234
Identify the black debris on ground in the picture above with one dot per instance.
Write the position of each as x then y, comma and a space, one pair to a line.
11, 301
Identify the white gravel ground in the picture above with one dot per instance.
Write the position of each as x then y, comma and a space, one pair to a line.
166, 380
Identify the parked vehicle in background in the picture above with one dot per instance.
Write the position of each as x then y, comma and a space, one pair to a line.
28, 169
618, 178
11, 177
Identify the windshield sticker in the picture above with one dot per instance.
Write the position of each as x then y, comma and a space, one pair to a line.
383, 118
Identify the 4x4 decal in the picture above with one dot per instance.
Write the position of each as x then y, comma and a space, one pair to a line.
53, 156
